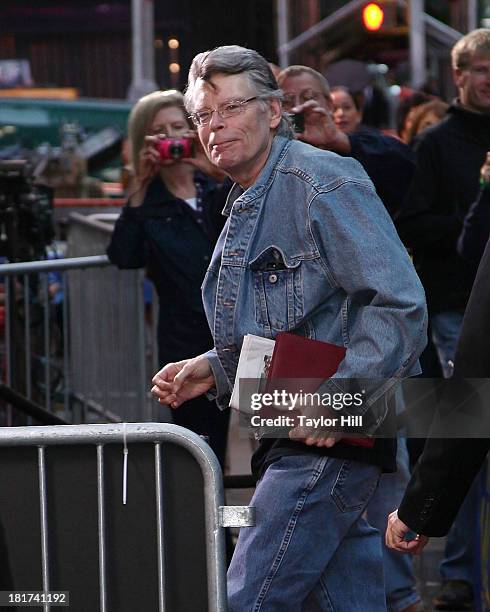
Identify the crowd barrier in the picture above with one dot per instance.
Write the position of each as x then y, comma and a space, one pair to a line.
78, 338
124, 517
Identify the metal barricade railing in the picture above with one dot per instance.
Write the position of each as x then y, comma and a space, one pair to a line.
131, 332
71, 478
92, 356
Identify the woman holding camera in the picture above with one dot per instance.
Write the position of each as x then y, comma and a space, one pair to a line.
170, 224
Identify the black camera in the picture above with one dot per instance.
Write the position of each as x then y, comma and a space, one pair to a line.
26, 213
297, 122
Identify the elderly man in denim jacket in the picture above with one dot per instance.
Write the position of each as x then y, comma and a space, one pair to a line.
340, 275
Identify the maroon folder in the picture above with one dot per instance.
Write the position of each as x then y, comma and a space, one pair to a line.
312, 361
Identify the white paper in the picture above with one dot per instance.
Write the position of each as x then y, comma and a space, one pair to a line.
254, 358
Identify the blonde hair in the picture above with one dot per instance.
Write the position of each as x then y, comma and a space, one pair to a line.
476, 42
142, 115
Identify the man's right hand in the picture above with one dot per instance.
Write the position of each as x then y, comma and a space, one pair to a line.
320, 129
179, 382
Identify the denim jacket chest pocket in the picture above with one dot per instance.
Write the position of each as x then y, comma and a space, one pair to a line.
278, 290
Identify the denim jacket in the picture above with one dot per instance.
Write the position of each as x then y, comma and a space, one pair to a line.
309, 248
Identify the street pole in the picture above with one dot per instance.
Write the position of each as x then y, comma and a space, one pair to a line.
418, 71
143, 60
472, 15
282, 32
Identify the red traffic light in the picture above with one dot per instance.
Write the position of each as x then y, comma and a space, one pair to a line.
372, 16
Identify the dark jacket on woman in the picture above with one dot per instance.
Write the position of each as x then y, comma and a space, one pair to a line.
449, 158
175, 243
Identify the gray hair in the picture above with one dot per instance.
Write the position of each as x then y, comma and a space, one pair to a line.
298, 70
232, 59
477, 42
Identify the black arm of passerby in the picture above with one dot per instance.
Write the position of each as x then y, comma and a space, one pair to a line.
447, 467
472, 358
389, 163
440, 482
476, 228
419, 223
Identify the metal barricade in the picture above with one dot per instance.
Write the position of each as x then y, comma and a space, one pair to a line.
125, 517
115, 360
89, 234
89, 361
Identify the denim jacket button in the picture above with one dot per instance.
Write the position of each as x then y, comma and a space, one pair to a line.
273, 278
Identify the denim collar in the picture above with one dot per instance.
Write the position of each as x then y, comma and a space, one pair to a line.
280, 145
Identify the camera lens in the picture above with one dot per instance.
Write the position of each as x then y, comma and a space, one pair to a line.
176, 150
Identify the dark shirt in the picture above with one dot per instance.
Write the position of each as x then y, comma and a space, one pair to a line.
389, 163
446, 181
271, 449
175, 243
476, 228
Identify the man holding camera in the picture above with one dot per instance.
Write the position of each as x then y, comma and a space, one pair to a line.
388, 162
300, 252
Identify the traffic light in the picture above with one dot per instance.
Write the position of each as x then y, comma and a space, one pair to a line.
373, 16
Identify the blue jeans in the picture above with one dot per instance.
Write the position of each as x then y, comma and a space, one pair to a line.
310, 549
461, 545
399, 578
446, 327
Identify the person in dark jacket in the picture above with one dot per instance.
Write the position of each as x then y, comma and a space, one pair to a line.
170, 224
449, 158
476, 224
448, 467
389, 163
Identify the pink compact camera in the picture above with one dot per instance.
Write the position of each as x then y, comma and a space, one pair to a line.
175, 148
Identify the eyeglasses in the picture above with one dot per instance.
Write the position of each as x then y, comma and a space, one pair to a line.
225, 111
291, 99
